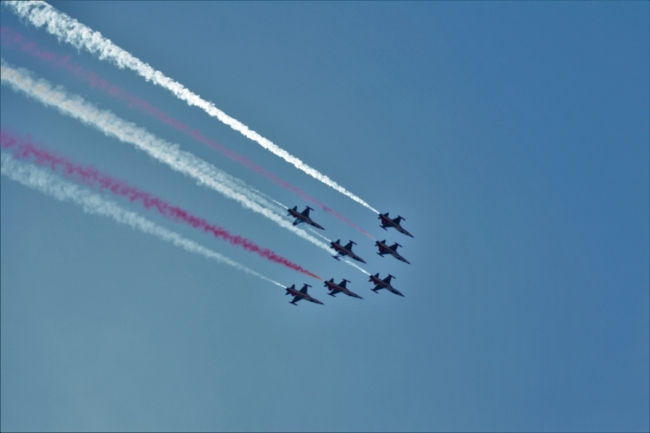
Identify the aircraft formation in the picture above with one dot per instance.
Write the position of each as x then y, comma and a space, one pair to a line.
346, 251
41, 169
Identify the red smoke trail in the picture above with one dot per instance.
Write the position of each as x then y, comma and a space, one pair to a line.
10, 39
90, 176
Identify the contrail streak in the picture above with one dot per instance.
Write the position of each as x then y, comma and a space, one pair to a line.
204, 173
73, 32
357, 266
41, 90
49, 184
313, 231
93, 177
12, 39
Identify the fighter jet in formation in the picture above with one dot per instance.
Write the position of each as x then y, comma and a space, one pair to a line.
392, 250
345, 250
303, 217
299, 295
340, 288
383, 284
395, 223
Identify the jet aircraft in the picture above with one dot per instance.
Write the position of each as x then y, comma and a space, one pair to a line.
299, 295
303, 217
392, 250
345, 250
383, 284
395, 223
340, 288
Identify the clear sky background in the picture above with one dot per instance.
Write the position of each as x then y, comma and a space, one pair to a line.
512, 136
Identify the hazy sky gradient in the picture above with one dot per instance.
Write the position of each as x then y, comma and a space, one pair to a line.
512, 136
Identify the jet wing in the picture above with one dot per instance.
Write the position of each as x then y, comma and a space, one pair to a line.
334, 292
306, 212
304, 290
297, 221
296, 299
343, 284
378, 287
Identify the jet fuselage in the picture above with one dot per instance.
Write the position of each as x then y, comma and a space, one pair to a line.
336, 288
383, 284
385, 249
303, 217
386, 222
301, 294
345, 251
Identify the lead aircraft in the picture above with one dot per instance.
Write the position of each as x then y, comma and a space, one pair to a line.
383, 284
299, 295
340, 288
303, 217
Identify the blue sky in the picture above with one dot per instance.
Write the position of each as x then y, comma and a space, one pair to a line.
513, 137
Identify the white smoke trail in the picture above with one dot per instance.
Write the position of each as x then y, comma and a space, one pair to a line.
68, 29
92, 203
285, 207
357, 266
204, 173
313, 231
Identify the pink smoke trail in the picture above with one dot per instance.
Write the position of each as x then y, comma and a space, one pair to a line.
25, 149
11, 39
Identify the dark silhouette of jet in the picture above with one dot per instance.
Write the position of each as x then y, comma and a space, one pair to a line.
299, 295
345, 250
340, 288
303, 217
387, 223
392, 250
383, 284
